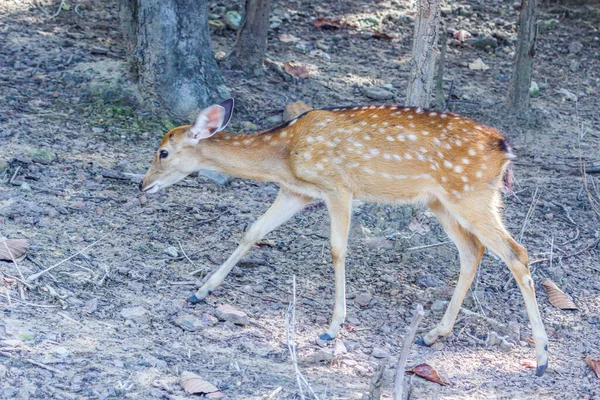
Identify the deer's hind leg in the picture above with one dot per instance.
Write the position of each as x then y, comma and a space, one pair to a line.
483, 219
470, 251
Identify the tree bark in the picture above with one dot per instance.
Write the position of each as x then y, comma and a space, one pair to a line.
251, 45
518, 96
420, 83
169, 48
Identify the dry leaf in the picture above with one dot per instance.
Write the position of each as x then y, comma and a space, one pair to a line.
17, 248
593, 364
267, 243
381, 35
296, 70
328, 23
462, 35
529, 363
557, 297
295, 109
428, 372
478, 65
195, 384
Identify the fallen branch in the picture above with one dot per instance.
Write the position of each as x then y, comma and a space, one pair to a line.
408, 341
34, 277
290, 337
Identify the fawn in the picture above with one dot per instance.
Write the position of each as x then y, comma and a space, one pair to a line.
385, 154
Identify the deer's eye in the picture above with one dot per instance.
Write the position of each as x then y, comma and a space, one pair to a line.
163, 154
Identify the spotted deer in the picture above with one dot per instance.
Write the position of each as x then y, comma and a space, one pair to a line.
385, 154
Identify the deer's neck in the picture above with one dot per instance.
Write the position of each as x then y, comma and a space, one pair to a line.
259, 157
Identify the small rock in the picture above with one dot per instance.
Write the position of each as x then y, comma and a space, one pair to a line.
438, 305
208, 320
233, 20
363, 299
437, 346
26, 187
321, 343
134, 313
549, 216
568, 94
323, 356
98, 130
380, 352
3, 165
248, 126
547, 25
574, 65
171, 251
91, 306
339, 348
43, 157
387, 278
575, 47
377, 93
216, 177
229, 313
189, 322
514, 331
534, 89
3, 371
425, 280
274, 119
482, 42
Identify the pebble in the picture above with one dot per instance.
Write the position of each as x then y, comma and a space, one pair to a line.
425, 280
189, 322
91, 306
575, 47
339, 348
229, 313
134, 313
377, 93
3, 165
380, 352
275, 119
171, 251
233, 20
574, 65
363, 299
438, 305
323, 355
98, 130
248, 126
534, 89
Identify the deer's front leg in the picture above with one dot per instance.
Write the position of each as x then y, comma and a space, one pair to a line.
340, 211
285, 206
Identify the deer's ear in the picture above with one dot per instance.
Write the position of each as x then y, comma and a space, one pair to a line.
208, 123
228, 106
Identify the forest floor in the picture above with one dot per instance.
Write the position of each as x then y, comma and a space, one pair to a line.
112, 321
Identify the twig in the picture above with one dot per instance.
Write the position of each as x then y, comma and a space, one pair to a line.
408, 340
34, 277
44, 366
191, 262
560, 258
427, 246
290, 336
14, 175
30, 304
529, 214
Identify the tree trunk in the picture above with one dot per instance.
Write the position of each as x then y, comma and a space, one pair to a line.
169, 48
420, 83
251, 45
518, 96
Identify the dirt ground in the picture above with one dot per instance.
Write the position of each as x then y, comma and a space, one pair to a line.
112, 321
